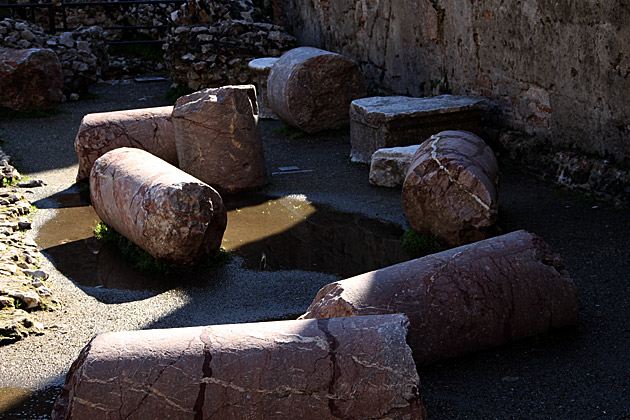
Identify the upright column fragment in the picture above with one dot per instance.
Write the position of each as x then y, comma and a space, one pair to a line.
312, 89
149, 129
167, 212
344, 368
451, 188
217, 138
465, 299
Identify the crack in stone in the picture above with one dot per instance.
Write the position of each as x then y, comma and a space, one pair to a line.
206, 375
434, 156
333, 344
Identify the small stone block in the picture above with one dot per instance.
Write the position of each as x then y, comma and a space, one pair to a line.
392, 121
389, 166
262, 66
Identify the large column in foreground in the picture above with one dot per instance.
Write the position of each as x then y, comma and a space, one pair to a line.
451, 188
167, 212
312, 89
465, 299
344, 368
148, 129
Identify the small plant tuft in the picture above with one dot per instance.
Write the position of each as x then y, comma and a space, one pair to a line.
418, 245
144, 261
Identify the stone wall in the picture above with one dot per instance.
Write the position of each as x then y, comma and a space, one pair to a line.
82, 52
557, 73
210, 42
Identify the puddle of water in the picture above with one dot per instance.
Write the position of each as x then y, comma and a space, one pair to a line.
20, 403
269, 234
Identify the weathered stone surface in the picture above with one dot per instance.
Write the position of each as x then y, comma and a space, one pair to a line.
350, 368
262, 67
312, 89
30, 79
392, 121
149, 129
167, 212
464, 299
211, 42
553, 88
389, 166
82, 53
451, 188
218, 140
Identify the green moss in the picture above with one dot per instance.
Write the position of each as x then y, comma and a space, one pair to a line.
173, 94
144, 261
9, 182
418, 245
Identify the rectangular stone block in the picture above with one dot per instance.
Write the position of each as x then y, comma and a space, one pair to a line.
394, 121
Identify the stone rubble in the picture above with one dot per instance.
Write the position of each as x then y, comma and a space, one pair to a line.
82, 52
23, 287
211, 42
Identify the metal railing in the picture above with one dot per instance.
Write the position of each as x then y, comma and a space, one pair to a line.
53, 9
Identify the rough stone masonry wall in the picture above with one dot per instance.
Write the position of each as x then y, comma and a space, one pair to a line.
558, 72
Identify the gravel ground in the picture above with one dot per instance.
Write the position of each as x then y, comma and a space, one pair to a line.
581, 372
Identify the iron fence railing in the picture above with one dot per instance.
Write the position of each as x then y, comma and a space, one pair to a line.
53, 9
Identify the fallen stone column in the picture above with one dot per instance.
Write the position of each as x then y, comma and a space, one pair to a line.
344, 368
451, 188
167, 212
465, 299
312, 89
30, 79
218, 140
148, 129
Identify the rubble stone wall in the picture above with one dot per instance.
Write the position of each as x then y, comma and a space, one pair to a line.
82, 53
556, 72
210, 42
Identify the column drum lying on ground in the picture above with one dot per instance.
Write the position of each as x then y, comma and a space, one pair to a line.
167, 212
465, 299
343, 368
149, 129
218, 140
451, 188
312, 89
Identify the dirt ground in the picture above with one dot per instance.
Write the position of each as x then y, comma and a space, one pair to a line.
575, 373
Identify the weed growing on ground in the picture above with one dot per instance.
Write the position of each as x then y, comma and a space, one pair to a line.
9, 182
144, 261
418, 245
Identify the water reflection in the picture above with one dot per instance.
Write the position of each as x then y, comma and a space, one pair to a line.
268, 234
21, 404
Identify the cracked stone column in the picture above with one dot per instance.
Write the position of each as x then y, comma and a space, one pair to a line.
312, 89
218, 140
148, 129
343, 368
167, 212
465, 299
451, 188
